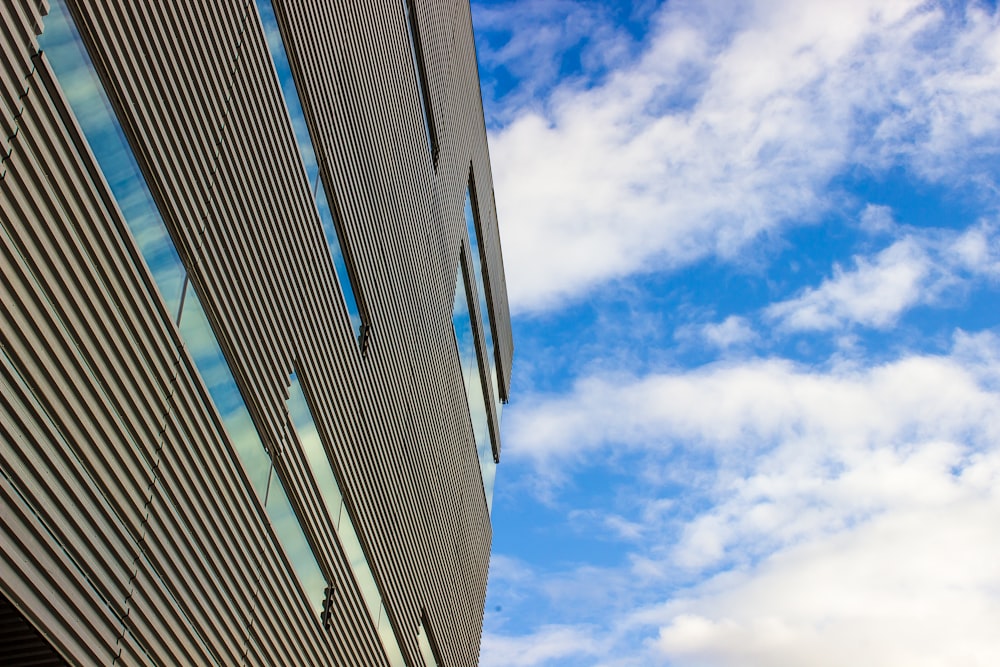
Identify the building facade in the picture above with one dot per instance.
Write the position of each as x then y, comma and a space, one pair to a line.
254, 335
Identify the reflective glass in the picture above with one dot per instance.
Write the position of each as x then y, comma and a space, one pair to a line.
474, 390
75, 72
85, 94
477, 270
309, 161
426, 651
411, 27
204, 349
333, 500
289, 531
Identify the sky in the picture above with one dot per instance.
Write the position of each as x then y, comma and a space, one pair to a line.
752, 249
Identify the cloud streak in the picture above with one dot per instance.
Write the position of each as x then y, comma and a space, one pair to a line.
729, 128
919, 268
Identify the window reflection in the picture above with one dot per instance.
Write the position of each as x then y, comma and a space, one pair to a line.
416, 53
474, 390
218, 378
309, 161
472, 226
293, 539
69, 60
426, 650
333, 500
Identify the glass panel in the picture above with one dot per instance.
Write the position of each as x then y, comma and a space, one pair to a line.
293, 540
87, 98
426, 651
474, 390
471, 221
309, 162
333, 500
204, 349
75, 72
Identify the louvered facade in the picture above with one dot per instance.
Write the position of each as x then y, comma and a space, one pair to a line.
254, 334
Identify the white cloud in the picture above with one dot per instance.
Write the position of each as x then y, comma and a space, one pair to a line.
732, 123
733, 330
915, 585
917, 269
546, 644
847, 516
736, 405
875, 219
873, 294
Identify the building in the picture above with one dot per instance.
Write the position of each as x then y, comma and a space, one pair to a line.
255, 338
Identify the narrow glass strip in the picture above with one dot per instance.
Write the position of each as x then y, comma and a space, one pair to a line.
426, 650
69, 60
203, 346
333, 500
85, 93
472, 226
475, 392
421, 75
293, 538
310, 163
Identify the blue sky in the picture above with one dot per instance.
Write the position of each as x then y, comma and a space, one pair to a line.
753, 255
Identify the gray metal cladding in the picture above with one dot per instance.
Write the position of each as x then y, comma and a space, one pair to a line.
130, 531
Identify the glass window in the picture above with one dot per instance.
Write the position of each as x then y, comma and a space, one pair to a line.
472, 226
427, 651
60, 41
475, 392
324, 205
203, 346
295, 543
336, 508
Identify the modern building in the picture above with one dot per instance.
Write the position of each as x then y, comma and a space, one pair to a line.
254, 334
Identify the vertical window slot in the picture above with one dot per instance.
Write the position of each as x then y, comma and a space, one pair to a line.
420, 71
311, 162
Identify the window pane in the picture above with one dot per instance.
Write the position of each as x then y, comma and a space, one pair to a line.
293, 541
477, 269
75, 72
307, 151
333, 500
420, 72
426, 650
204, 349
474, 390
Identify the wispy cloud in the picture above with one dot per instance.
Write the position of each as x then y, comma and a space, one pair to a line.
547, 643
917, 269
730, 124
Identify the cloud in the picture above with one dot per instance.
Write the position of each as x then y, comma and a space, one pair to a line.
916, 269
546, 644
730, 406
734, 330
874, 293
914, 585
842, 515
539, 44
731, 125
875, 219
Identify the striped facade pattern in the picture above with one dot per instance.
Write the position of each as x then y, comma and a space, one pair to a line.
129, 532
